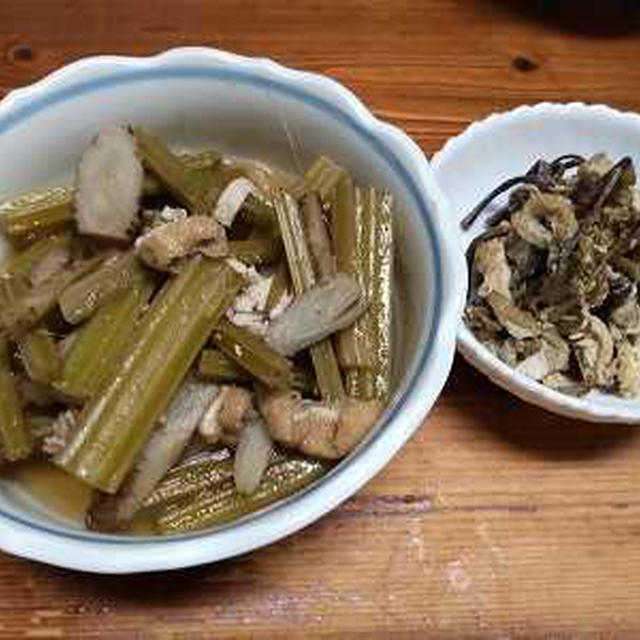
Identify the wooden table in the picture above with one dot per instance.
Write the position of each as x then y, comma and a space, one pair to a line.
497, 520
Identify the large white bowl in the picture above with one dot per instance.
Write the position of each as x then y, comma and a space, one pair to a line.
470, 165
197, 98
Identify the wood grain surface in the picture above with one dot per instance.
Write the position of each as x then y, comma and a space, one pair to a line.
497, 520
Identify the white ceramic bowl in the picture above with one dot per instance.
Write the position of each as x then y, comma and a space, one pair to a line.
470, 165
197, 98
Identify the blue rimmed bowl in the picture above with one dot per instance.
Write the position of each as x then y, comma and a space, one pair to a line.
200, 97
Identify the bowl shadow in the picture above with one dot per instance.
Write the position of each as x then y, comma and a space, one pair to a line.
221, 589
529, 428
230, 589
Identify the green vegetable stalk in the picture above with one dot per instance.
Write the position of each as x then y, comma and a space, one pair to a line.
253, 354
15, 439
192, 476
97, 350
355, 344
216, 366
365, 349
115, 425
40, 356
256, 251
118, 273
216, 501
303, 277
22, 306
201, 165
185, 185
280, 284
31, 216
22, 263
321, 178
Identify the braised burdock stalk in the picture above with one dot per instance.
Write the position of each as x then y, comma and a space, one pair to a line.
98, 346
257, 251
200, 165
321, 178
254, 355
35, 215
218, 367
82, 298
204, 494
40, 356
15, 440
42, 260
25, 305
303, 277
187, 186
115, 425
362, 222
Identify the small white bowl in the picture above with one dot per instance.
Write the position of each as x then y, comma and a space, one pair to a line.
253, 107
470, 165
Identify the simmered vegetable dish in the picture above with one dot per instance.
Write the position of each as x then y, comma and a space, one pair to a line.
194, 336
554, 278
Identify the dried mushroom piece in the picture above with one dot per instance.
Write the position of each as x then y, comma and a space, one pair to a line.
565, 384
593, 347
490, 261
482, 322
627, 369
551, 357
519, 323
526, 263
627, 316
545, 217
595, 168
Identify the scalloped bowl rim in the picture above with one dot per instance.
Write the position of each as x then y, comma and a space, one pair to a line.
587, 408
103, 553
